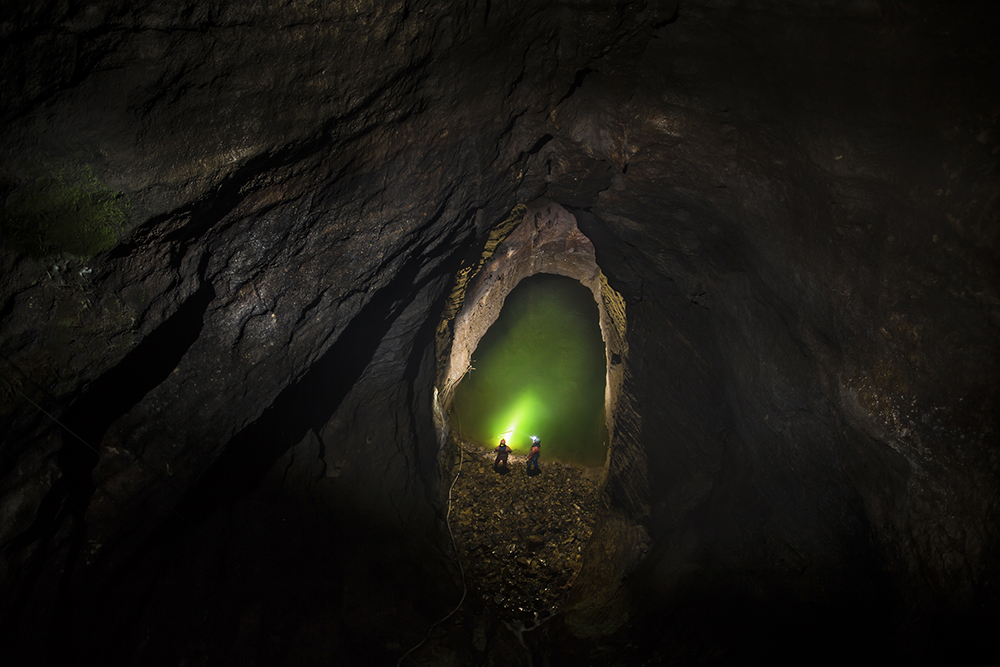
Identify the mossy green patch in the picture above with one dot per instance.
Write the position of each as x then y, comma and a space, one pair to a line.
65, 210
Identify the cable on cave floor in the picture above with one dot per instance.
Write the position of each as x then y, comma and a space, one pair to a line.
89, 446
52, 489
454, 545
44, 412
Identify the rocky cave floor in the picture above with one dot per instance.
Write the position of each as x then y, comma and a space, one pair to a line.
520, 537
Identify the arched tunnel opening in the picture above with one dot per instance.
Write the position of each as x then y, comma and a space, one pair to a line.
540, 369
248, 251
520, 529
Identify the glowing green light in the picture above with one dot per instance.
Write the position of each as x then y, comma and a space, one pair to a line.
540, 371
516, 421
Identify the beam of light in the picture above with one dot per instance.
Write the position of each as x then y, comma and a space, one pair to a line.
519, 418
540, 371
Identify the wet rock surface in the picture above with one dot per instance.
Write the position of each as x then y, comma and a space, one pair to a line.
521, 536
797, 202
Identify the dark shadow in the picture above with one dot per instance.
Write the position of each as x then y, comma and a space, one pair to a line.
103, 402
116, 392
306, 405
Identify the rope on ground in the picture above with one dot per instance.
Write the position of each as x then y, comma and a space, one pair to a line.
42, 410
454, 545
89, 446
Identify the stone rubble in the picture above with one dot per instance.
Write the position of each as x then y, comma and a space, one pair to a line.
520, 537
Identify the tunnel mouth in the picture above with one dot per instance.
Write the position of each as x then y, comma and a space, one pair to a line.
541, 238
522, 539
539, 372
520, 529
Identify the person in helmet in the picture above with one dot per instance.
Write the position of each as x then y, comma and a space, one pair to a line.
534, 454
503, 451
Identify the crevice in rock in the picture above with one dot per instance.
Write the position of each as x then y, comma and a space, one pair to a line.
538, 145
581, 74
147, 365
252, 452
667, 21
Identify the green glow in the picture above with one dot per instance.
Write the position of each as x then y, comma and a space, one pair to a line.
539, 370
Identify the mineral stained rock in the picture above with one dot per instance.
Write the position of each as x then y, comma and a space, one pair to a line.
220, 439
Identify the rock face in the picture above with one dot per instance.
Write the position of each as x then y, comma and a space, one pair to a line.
544, 239
219, 435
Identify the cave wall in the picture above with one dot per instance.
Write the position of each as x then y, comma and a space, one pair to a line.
798, 202
302, 182
787, 232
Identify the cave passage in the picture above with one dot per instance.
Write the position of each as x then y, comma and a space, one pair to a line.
539, 370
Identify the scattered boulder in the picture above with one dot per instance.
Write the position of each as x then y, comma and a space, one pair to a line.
513, 566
